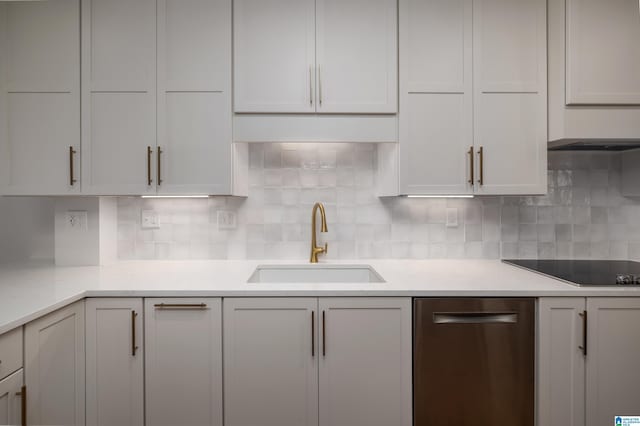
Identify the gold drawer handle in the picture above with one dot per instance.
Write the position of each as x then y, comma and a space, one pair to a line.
481, 154
471, 171
72, 179
149, 152
159, 166
180, 306
134, 347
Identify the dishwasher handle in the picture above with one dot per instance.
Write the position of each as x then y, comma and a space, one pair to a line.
475, 318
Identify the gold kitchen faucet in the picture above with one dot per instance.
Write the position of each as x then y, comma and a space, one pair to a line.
315, 250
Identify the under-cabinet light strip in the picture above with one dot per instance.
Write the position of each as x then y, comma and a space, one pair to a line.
175, 196
439, 196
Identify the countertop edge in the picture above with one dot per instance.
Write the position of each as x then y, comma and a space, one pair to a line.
42, 311
28, 292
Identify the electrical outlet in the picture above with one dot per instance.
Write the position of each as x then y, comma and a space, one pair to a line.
77, 220
150, 219
452, 217
227, 220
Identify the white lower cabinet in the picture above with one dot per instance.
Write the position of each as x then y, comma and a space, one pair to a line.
183, 354
561, 370
11, 399
270, 362
588, 360
11, 352
365, 365
55, 367
613, 359
115, 362
307, 361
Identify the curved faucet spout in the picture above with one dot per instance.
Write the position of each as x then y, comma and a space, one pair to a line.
315, 250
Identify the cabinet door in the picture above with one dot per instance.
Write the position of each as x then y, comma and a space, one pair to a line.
39, 97
55, 368
194, 96
274, 55
270, 362
510, 88
561, 362
613, 372
183, 349
10, 399
365, 362
436, 83
115, 369
119, 96
357, 56
603, 53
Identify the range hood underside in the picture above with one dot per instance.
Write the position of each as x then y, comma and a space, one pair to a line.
613, 145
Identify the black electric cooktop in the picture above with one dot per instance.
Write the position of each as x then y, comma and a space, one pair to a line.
586, 272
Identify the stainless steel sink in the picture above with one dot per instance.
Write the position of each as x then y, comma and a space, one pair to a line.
315, 274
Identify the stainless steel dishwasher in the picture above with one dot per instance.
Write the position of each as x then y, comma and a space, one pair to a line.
474, 362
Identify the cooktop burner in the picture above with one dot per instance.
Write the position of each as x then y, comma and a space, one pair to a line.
586, 272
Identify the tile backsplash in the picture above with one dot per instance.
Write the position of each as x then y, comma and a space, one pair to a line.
582, 216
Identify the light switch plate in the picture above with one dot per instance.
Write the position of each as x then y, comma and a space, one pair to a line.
77, 220
227, 220
452, 217
150, 219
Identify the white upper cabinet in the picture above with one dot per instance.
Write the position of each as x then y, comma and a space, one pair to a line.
157, 97
594, 61
510, 96
436, 85
274, 54
40, 98
603, 52
357, 56
194, 97
119, 96
473, 114
307, 56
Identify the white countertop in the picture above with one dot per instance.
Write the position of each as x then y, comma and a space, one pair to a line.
30, 291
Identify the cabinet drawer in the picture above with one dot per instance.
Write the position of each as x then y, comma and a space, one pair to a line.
10, 352
11, 399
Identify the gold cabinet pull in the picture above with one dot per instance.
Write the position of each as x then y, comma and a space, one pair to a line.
72, 179
324, 340
583, 347
180, 306
481, 155
149, 152
23, 405
310, 86
159, 166
313, 333
134, 348
319, 87
471, 168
